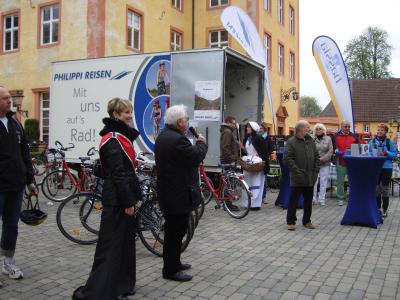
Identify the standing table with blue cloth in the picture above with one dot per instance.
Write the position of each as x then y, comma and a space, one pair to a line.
284, 192
363, 173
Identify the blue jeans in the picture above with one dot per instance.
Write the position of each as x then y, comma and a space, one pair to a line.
10, 208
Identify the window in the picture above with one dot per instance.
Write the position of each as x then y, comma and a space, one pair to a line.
218, 38
292, 66
366, 127
280, 12
176, 40
291, 20
49, 25
268, 50
281, 53
215, 3
267, 5
44, 116
134, 30
177, 4
10, 32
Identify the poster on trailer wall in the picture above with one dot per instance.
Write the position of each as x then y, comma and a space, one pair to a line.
80, 91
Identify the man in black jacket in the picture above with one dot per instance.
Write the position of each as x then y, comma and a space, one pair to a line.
177, 162
15, 172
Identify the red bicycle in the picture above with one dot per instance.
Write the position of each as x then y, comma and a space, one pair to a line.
232, 191
62, 183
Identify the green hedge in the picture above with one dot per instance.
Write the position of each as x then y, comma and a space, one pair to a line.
32, 131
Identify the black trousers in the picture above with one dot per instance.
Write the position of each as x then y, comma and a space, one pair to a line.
382, 190
176, 227
114, 267
295, 192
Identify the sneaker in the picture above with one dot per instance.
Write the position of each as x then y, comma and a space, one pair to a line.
340, 202
291, 227
384, 213
12, 270
309, 226
322, 203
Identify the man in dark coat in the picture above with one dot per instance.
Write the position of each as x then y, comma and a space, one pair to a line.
15, 172
302, 159
177, 162
228, 143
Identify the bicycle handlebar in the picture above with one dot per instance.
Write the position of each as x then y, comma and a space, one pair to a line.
92, 151
62, 148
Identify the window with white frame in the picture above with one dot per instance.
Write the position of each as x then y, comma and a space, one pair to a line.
177, 4
291, 20
366, 127
10, 32
49, 28
268, 49
44, 116
281, 51
292, 73
218, 38
134, 30
176, 41
267, 5
214, 3
280, 12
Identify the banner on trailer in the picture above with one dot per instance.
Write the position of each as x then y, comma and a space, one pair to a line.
242, 28
333, 70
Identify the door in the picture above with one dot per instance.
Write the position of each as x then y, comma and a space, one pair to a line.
196, 81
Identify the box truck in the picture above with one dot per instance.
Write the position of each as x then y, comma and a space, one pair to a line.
212, 83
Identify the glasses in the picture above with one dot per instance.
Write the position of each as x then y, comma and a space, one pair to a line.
346, 126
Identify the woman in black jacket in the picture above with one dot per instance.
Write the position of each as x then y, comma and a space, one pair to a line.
113, 274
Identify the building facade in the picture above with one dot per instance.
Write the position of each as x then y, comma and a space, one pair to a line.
37, 32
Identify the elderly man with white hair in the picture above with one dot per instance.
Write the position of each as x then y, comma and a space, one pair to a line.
177, 163
302, 159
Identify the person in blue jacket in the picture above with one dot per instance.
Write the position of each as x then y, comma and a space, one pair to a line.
383, 146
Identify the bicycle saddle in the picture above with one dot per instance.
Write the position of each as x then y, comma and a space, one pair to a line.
83, 159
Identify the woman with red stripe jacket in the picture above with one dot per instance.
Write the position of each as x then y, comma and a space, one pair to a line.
113, 274
383, 147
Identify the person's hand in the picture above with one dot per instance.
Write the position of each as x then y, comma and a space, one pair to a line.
383, 153
32, 189
130, 211
201, 138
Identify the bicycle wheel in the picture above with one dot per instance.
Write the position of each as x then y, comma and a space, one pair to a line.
205, 192
39, 167
151, 225
70, 223
239, 198
200, 211
57, 186
90, 212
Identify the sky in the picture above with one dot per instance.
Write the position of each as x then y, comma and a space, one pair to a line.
342, 20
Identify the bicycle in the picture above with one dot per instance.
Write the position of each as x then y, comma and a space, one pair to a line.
231, 190
78, 218
274, 179
60, 184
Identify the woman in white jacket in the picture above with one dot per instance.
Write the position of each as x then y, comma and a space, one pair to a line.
325, 151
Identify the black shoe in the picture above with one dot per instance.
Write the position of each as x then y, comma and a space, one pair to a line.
232, 207
78, 293
122, 297
130, 293
185, 267
255, 208
179, 276
384, 213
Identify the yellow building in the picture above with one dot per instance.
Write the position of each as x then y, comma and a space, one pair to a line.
37, 32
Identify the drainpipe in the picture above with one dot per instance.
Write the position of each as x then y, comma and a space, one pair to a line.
192, 24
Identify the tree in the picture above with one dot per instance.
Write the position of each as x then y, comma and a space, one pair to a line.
368, 55
309, 107
32, 131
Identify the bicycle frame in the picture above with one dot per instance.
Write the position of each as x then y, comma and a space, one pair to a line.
216, 192
79, 185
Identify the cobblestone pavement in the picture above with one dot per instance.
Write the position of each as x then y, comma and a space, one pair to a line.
252, 258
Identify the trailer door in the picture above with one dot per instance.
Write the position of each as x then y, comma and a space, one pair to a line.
191, 70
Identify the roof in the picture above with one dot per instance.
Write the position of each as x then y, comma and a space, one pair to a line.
376, 100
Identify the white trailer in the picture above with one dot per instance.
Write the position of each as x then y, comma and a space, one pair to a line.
212, 83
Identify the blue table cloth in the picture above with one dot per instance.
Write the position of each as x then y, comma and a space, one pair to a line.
284, 192
363, 173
